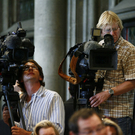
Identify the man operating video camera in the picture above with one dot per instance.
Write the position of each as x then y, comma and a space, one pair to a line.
37, 102
117, 97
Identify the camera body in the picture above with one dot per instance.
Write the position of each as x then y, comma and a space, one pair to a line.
14, 49
94, 56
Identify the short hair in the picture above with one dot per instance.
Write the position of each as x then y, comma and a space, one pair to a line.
107, 18
83, 113
20, 73
44, 124
108, 122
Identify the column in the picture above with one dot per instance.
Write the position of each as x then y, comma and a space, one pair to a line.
49, 40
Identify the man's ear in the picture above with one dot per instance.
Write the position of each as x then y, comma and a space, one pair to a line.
40, 78
71, 133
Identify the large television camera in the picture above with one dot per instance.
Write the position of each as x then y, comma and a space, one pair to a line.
86, 58
14, 49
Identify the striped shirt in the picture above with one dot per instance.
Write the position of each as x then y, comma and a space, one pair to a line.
121, 105
44, 105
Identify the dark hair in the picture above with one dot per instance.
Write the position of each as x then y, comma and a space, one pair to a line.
20, 73
83, 113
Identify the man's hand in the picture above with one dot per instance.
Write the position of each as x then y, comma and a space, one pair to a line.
6, 115
99, 98
19, 131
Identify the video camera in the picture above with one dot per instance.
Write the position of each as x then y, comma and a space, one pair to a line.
14, 49
86, 59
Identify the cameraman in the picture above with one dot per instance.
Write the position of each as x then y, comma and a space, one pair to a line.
117, 97
37, 102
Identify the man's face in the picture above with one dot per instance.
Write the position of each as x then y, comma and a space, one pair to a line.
47, 131
90, 126
31, 72
113, 29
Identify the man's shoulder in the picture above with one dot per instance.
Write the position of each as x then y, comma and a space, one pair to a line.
126, 43
50, 92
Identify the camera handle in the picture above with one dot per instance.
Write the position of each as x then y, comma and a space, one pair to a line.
10, 97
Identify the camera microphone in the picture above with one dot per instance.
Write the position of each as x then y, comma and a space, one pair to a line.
27, 43
12, 41
91, 45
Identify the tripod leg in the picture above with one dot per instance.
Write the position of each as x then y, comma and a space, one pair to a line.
10, 112
21, 115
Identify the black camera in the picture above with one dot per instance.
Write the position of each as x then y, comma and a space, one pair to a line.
93, 56
14, 49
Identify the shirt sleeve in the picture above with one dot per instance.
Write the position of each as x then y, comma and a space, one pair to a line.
129, 64
57, 113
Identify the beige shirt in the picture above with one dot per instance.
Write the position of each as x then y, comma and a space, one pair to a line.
121, 105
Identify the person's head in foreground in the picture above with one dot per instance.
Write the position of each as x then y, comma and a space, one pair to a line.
45, 127
112, 127
86, 121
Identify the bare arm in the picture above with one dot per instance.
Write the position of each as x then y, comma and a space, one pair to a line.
118, 90
124, 87
19, 131
6, 115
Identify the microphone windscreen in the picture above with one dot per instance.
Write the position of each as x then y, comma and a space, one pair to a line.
28, 44
12, 41
91, 45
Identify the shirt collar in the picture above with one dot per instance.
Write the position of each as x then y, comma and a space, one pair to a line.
39, 93
117, 44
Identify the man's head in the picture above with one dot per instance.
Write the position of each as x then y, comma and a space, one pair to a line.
30, 66
45, 127
110, 23
86, 122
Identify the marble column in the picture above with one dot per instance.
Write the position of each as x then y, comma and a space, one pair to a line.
49, 40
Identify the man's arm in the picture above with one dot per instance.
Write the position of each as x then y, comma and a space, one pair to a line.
19, 131
57, 114
118, 90
15, 130
6, 115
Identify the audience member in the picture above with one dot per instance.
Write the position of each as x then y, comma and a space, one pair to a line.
45, 127
86, 121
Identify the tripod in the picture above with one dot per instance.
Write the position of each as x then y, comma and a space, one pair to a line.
11, 96
86, 89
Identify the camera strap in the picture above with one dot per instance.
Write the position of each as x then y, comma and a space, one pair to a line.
70, 79
74, 80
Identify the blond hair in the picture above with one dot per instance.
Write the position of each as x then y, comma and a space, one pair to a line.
44, 124
108, 122
107, 18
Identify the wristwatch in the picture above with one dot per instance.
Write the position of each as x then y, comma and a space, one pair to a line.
111, 92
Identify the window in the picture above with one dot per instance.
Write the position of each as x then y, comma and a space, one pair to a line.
25, 10
20, 10
129, 31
